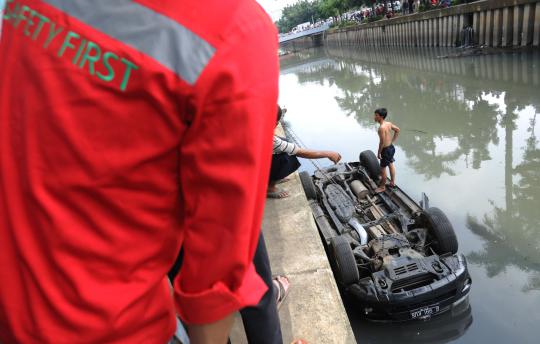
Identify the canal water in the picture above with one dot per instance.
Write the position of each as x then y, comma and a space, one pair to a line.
470, 139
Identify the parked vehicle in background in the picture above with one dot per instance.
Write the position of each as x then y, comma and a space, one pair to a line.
301, 27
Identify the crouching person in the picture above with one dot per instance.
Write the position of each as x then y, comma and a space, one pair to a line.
285, 161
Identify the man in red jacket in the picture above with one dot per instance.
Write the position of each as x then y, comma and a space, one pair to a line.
129, 129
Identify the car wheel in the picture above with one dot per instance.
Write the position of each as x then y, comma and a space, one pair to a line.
442, 231
309, 187
344, 262
369, 161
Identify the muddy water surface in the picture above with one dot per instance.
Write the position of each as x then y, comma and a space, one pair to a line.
470, 140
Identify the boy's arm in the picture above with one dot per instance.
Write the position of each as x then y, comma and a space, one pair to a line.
396, 132
381, 142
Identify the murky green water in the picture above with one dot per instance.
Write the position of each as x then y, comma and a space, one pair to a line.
470, 139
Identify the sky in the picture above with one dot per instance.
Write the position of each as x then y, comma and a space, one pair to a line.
274, 7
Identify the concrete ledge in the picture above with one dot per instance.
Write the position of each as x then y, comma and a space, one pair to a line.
439, 13
313, 310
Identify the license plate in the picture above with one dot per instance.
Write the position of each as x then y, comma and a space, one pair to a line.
425, 312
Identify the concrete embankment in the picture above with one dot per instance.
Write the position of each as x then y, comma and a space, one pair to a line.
313, 311
491, 23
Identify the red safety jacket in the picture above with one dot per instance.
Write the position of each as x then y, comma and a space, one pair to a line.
128, 129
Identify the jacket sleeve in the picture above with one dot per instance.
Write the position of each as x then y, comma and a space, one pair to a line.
224, 169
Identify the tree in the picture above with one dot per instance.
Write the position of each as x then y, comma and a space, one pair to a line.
298, 13
328, 9
304, 11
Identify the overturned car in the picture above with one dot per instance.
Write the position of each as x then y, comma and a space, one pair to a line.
397, 258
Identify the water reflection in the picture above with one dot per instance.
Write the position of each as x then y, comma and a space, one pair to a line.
511, 233
442, 329
460, 112
470, 132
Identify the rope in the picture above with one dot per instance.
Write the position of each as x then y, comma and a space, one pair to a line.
289, 132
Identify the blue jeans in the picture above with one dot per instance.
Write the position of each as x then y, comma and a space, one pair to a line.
180, 336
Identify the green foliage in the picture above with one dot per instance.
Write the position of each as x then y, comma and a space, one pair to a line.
298, 13
305, 10
345, 24
374, 18
328, 8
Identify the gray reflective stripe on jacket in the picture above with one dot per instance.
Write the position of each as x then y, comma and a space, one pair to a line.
149, 32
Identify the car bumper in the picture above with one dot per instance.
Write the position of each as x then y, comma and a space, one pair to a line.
417, 304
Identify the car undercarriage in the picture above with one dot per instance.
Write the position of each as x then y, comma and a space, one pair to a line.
397, 258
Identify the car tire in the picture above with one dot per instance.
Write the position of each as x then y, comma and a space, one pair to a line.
442, 231
344, 262
309, 187
369, 161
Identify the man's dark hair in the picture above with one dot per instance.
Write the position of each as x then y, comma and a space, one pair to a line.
279, 113
382, 112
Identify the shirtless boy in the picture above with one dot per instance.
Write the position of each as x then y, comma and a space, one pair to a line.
386, 148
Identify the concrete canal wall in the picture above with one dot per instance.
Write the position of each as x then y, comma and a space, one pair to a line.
313, 310
494, 23
302, 43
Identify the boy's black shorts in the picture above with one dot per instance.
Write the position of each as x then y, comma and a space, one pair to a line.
387, 156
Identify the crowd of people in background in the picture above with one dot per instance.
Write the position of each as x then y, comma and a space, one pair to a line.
390, 9
379, 11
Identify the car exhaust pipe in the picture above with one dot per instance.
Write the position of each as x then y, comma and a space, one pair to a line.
359, 189
360, 230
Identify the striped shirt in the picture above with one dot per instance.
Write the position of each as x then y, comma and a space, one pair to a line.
282, 146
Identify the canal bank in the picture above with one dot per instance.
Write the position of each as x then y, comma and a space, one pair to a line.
313, 310
489, 23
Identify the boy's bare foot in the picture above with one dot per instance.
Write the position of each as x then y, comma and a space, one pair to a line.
380, 189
